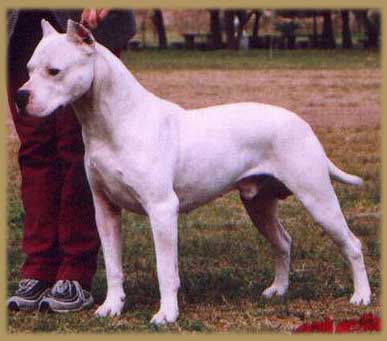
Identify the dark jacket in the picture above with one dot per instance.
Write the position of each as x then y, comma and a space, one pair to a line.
113, 32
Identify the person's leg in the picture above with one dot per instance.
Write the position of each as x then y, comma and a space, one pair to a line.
40, 170
40, 175
78, 236
71, 232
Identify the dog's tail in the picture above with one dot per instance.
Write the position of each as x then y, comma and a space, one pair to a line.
339, 175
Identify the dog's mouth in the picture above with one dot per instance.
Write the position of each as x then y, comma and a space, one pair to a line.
25, 112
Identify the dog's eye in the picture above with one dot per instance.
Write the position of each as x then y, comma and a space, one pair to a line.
53, 71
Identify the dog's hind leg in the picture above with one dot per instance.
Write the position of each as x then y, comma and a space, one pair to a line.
309, 180
324, 207
263, 211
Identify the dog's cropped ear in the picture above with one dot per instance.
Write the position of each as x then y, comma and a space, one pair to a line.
79, 34
47, 28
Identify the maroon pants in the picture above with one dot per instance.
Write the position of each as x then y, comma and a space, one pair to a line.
60, 237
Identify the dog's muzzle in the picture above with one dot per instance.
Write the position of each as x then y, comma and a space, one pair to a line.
21, 99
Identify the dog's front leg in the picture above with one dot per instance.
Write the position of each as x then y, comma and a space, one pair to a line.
163, 219
108, 218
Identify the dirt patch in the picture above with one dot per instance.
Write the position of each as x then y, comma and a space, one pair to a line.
325, 98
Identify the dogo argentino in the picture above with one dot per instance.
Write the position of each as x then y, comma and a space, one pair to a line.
150, 156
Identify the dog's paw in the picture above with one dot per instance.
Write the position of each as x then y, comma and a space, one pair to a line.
111, 307
165, 316
274, 290
360, 299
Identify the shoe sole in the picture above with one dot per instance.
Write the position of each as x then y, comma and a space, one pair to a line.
20, 304
12, 306
46, 307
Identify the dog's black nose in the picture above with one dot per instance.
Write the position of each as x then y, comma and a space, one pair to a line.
21, 98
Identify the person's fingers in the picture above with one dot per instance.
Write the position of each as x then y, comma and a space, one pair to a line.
89, 18
84, 15
102, 13
93, 19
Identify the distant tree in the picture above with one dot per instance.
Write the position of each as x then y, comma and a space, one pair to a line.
158, 22
229, 27
328, 35
288, 32
374, 28
257, 17
303, 14
371, 24
315, 32
234, 34
215, 29
346, 31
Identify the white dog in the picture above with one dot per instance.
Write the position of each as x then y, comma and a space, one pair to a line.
150, 156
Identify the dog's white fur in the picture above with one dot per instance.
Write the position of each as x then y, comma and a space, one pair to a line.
150, 156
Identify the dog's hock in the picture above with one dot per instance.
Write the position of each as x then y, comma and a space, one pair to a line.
79, 34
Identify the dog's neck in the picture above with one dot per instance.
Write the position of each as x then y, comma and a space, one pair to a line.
113, 95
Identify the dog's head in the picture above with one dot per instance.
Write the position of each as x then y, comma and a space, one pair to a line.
61, 70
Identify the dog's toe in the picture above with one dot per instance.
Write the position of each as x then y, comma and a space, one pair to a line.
274, 291
159, 318
102, 311
109, 309
360, 299
162, 317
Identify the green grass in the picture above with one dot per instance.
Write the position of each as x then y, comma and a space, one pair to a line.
251, 59
224, 262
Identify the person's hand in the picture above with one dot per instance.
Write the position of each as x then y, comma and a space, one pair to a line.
92, 17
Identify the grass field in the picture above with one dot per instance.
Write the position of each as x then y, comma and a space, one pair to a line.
252, 59
224, 263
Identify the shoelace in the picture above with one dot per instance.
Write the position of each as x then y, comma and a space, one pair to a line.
26, 284
63, 287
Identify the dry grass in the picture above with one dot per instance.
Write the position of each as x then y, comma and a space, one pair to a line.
326, 98
224, 263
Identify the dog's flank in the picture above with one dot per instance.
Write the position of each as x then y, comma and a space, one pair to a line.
151, 156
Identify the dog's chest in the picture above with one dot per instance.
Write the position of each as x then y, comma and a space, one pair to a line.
107, 175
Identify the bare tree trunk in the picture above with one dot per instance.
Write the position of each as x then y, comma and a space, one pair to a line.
328, 36
244, 18
229, 16
158, 22
315, 33
346, 32
234, 36
143, 32
371, 30
258, 15
215, 29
